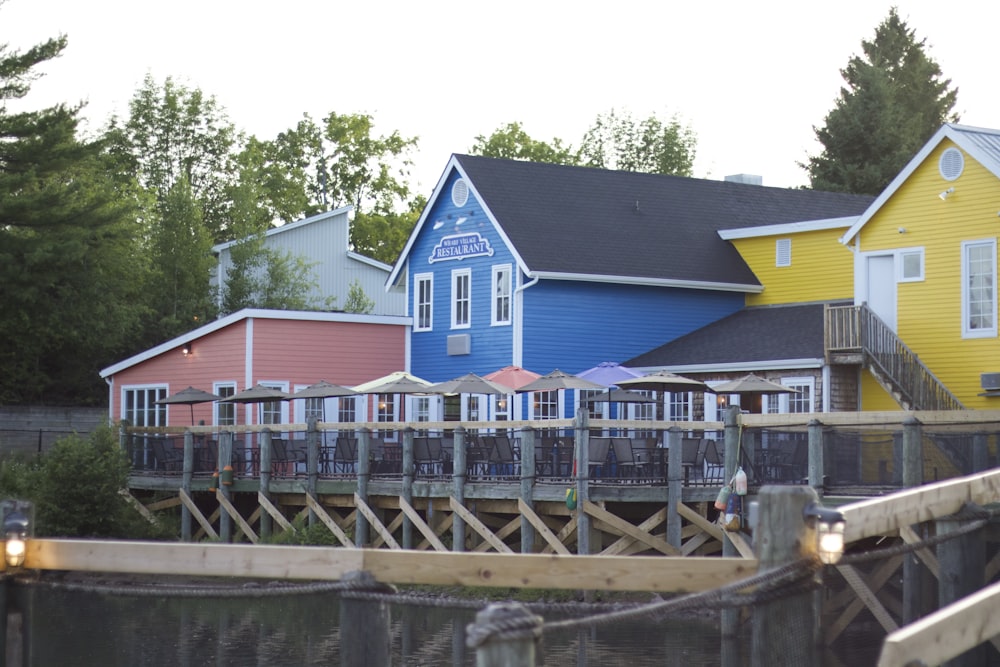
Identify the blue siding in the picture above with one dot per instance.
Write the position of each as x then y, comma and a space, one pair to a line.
491, 346
576, 325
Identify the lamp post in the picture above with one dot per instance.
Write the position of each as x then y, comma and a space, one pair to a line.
828, 525
16, 530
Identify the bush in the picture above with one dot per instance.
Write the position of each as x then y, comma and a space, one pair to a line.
315, 535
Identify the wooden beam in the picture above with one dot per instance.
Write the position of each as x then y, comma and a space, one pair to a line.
713, 529
440, 529
866, 595
692, 545
164, 504
629, 529
505, 531
541, 527
251, 520
882, 573
275, 513
625, 542
421, 525
205, 524
237, 517
374, 522
328, 521
139, 507
740, 543
391, 528
946, 633
930, 560
478, 526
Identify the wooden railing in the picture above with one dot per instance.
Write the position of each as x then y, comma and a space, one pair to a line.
858, 328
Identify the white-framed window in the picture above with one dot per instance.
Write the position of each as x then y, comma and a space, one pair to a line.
501, 294
423, 302
421, 408
595, 409
979, 294
386, 412
461, 298
347, 409
800, 402
140, 407
545, 404
473, 402
225, 413
501, 408
273, 412
679, 406
783, 252
910, 265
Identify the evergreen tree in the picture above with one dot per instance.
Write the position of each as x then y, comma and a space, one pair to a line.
70, 285
894, 101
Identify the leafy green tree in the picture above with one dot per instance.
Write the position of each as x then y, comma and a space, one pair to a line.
655, 146
895, 99
512, 142
69, 289
262, 277
357, 300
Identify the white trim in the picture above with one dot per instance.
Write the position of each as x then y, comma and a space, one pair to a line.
990, 332
250, 314
497, 270
417, 279
782, 252
653, 282
788, 228
290, 226
382, 266
899, 261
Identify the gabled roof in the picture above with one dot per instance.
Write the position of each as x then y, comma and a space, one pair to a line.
325, 215
980, 143
581, 223
785, 336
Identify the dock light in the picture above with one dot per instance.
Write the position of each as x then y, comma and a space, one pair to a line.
15, 530
829, 527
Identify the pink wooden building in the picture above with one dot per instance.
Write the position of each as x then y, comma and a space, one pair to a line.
285, 350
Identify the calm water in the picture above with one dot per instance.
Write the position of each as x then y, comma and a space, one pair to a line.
80, 628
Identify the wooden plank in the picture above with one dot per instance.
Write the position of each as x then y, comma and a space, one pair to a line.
875, 582
694, 543
391, 528
251, 520
421, 525
563, 535
946, 633
139, 507
328, 521
505, 531
478, 526
206, 525
541, 528
374, 522
741, 544
626, 528
625, 542
866, 595
713, 529
164, 504
440, 529
930, 560
237, 517
275, 513
886, 514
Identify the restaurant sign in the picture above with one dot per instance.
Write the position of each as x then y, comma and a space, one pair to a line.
461, 246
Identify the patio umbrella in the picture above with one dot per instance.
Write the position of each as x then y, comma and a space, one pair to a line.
397, 382
324, 389
512, 376
257, 394
618, 396
754, 387
189, 397
609, 373
559, 380
662, 381
470, 384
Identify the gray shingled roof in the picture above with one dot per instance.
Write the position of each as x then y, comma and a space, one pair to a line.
581, 220
764, 333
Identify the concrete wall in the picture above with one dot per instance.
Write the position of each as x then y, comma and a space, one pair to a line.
35, 428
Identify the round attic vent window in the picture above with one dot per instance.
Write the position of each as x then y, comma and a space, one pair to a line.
951, 164
460, 192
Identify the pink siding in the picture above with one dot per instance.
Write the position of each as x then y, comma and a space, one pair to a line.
296, 352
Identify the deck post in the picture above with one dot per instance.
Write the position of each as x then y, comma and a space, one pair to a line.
407, 490
581, 444
186, 484
361, 527
265, 480
458, 481
225, 459
963, 562
784, 630
675, 485
312, 463
733, 434
508, 648
980, 453
365, 637
913, 476
816, 469
527, 487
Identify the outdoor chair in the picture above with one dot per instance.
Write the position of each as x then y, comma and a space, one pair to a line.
168, 458
503, 458
692, 458
624, 464
599, 451
345, 455
714, 465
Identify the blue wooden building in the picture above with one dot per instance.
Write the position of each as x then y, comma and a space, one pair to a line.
548, 266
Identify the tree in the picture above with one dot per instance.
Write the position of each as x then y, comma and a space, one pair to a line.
357, 300
617, 141
894, 101
262, 277
70, 286
512, 142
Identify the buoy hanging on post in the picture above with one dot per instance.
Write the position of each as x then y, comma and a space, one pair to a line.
227, 476
215, 482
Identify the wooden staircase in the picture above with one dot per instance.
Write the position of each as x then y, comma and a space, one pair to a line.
856, 335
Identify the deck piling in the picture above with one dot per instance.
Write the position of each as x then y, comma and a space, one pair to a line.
527, 488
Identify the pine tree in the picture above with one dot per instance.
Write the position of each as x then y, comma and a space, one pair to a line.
894, 101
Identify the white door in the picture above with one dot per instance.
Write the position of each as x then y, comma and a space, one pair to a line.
881, 295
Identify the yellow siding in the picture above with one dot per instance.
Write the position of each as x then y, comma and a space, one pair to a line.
821, 269
929, 312
874, 397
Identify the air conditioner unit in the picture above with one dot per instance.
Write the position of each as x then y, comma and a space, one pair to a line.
459, 344
990, 381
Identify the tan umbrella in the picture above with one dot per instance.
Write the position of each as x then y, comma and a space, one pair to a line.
471, 384
559, 380
398, 382
324, 389
664, 381
190, 397
752, 384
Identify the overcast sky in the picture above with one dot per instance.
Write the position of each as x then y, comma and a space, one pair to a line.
750, 78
